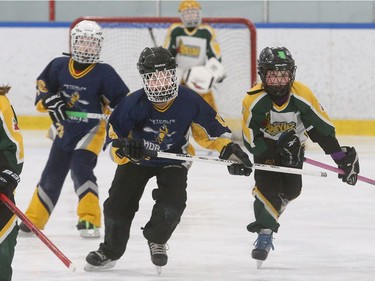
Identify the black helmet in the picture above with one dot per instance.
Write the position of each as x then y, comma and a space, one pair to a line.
157, 67
276, 59
155, 58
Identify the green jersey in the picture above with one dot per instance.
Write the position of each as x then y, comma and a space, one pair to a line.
192, 47
263, 121
11, 157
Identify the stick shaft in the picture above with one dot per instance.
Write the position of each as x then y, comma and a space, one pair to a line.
36, 231
336, 170
152, 36
187, 157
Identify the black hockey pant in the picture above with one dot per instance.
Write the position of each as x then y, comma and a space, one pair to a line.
273, 191
123, 202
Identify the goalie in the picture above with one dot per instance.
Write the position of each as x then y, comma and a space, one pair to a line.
197, 52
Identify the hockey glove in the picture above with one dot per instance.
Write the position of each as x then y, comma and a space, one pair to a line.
132, 149
290, 149
234, 152
349, 164
8, 182
56, 107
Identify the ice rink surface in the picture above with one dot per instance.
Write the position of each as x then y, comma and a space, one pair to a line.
326, 234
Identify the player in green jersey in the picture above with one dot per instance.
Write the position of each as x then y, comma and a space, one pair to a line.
279, 114
11, 162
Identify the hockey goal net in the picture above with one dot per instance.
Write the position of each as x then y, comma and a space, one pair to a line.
125, 38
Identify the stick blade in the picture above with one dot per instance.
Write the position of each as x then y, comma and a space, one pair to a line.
72, 267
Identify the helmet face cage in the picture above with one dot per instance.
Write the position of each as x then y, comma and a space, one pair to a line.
191, 18
277, 70
190, 13
161, 85
86, 42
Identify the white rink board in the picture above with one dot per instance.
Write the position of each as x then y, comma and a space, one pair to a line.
331, 62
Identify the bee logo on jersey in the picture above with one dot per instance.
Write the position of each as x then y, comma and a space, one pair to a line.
162, 135
73, 99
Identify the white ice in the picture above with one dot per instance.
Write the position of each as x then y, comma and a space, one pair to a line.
326, 234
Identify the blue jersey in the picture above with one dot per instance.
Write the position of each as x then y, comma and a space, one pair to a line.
94, 90
168, 129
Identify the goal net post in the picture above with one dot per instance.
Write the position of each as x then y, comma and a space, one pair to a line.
126, 37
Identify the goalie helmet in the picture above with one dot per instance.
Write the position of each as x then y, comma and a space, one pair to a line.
86, 42
277, 70
190, 13
157, 67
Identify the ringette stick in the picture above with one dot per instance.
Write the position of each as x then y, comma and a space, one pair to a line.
187, 157
336, 170
37, 232
88, 115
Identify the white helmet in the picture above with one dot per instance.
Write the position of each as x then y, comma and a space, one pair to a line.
86, 42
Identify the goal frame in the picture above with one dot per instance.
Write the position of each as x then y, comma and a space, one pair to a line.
208, 20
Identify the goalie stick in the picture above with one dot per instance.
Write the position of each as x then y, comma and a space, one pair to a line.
187, 157
88, 115
37, 232
336, 170
150, 30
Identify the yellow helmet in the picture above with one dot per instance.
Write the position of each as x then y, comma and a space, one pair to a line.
188, 4
190, 11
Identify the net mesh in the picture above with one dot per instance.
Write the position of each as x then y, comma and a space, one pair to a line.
125, 38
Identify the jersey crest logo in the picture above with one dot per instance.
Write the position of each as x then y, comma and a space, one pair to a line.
186, 50
73, 99
277, 127
162, 135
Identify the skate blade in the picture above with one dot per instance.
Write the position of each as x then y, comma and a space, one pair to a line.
89, 233
158, 270
90, 267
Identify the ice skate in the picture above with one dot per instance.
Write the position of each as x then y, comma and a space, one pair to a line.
25, 231
98, 261
158, 254
87, 230
263, 245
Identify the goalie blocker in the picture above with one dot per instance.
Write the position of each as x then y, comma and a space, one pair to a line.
202, 78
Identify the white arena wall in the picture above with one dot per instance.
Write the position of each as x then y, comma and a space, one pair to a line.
336, 63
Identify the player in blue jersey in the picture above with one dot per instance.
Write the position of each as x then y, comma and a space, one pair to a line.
77, 83
157, 117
